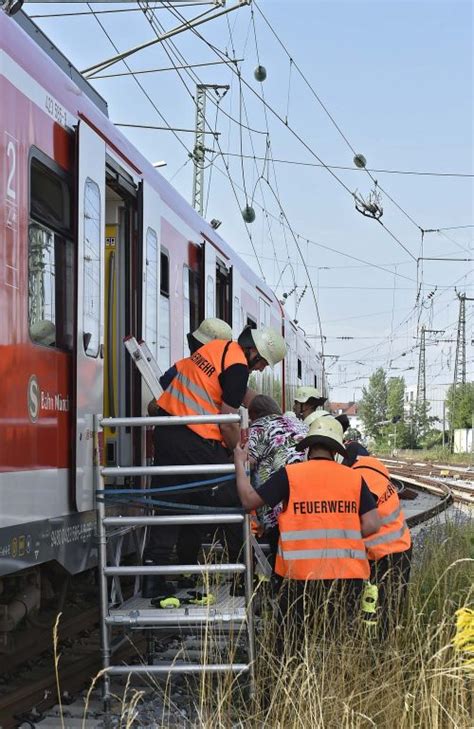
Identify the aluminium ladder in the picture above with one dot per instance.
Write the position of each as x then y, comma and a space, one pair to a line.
145, 363
131, 616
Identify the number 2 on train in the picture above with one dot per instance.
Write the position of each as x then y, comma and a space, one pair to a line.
11, 163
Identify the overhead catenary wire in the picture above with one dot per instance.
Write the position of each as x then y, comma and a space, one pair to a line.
335, 250
147, 95
344, 137
160, 70
357, 170
113, 10
288, 126
191, 73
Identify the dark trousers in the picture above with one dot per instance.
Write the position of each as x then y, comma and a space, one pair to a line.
272, 535
391, 574
179, 445
315, 609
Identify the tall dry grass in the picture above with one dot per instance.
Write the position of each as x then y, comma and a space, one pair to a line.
413, 680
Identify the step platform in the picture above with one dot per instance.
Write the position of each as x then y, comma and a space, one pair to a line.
228, 612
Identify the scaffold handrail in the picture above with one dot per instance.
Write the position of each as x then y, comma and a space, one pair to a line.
117, 471
167, 520
174, 569
157, 420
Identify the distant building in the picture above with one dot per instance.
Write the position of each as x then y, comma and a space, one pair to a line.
347, 408
435, 397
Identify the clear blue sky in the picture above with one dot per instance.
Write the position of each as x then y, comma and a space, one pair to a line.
396, 76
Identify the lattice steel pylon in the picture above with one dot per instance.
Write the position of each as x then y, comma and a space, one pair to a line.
460, 360
199, 151
421, 385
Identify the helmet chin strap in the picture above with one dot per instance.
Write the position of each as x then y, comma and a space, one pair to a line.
253, 361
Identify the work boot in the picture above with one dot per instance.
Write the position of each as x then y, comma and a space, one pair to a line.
154, 585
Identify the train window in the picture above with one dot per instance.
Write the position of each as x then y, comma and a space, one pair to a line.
50, 259
50, 197
251, 322
165, 273
151, 292
223, 292
194, 300
210, 296
186, 310
236, 315
264, 311
164, 353
91, 322
300, 369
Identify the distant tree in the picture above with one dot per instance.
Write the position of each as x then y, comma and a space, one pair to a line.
373, 404
460, 405
395, 398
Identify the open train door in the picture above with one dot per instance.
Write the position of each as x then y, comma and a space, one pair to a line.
89, 323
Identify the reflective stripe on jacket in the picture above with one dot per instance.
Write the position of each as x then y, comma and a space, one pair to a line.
196, 390
320, 537
394, 535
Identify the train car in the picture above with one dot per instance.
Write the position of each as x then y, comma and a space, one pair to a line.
95, 244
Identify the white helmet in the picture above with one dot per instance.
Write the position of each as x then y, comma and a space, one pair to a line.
212, 328
304, 393
269, 344
325, 431
319, 413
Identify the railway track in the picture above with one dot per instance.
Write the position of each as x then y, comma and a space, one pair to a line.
434, 478
80, 654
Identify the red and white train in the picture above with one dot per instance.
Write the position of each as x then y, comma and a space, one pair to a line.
94, 245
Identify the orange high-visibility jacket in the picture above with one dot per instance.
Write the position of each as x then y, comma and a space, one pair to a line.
196, 390
394, 535
320, 537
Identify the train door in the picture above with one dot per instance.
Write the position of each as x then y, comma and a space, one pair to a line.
122, 288
89, 322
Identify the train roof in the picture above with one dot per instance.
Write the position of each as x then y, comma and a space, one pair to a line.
42, 40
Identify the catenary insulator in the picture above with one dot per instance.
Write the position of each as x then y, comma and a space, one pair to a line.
360, 161
248, 214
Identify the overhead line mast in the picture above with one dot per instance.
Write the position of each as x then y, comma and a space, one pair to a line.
199, 151
421, 385
460, 361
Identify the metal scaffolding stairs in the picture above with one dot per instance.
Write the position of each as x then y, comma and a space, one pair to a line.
137, 612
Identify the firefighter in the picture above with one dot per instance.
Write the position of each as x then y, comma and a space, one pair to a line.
212, 381
389, 550
190, 538
353, 447
321, 558
209, 329
308, 404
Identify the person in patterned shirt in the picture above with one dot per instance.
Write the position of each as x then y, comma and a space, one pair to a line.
272, 445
